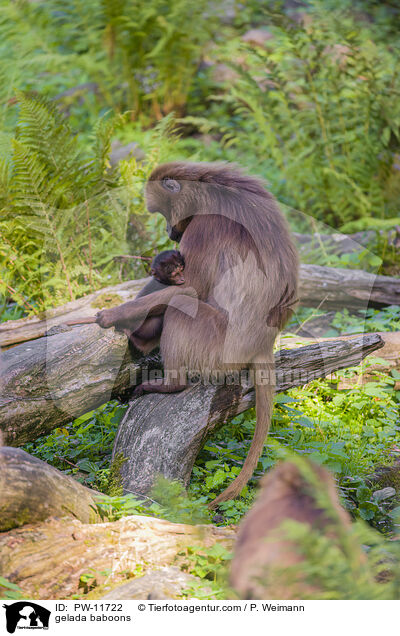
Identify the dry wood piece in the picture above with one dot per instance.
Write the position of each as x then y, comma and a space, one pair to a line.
46, 560
328, 287
163, 434
31, 490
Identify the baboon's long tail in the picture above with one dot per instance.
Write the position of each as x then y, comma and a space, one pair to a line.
264, 400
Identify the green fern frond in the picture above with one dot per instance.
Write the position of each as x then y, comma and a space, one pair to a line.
44, 132
322, 113
31, 183
4, 181
104, 130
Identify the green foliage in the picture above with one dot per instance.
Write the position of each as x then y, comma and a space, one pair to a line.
358, 259
112, 508
168, 500
370, 320
9, 310
340, 563
206, 563
140, 57
316, 112
368, 223
337, 563
64, 214
348, 431
386, 244
210, 565
10, 591
177, 504
319, 109
83, 448
359, 498
345, 322
219, 462
339, 569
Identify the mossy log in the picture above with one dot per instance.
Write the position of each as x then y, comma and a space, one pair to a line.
17, 331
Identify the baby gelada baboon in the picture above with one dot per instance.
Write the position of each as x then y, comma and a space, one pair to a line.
166, 269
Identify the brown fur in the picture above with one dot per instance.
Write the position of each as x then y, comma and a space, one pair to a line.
166, 269
262, 554
240, 264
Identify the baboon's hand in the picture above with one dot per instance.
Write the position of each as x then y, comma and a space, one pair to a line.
106, 318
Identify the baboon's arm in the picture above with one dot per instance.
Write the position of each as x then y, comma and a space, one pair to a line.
155, 304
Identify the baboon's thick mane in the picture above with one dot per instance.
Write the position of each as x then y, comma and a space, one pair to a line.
219, 174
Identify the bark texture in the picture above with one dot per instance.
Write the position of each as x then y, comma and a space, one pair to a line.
31, 491
47, 560
50, 381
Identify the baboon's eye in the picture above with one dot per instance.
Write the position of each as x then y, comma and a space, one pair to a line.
171, 185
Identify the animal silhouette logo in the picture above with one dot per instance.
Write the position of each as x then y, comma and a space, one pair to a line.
26, 615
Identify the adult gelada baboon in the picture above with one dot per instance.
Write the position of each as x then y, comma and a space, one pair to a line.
241, 265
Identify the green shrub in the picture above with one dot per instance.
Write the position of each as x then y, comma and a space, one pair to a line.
140, 56
320, 110
64, 214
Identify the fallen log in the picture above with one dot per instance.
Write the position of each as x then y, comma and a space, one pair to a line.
389, 354
31, 491
323, 287
337, 288
47, 560
17, 331
163, 434
338, 243
50, 381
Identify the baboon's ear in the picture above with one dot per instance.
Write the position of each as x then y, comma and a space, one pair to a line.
152, 272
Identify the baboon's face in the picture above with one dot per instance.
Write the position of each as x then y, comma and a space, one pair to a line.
174, 199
